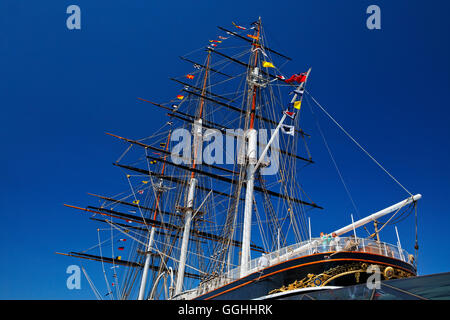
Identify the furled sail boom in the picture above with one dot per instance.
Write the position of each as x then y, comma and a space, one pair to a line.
166, 226
139, 143
212, 125
200, 89
248, 40
172, 235
170, 178
156, 104
239, 110
162, 151
158, 210
246, 65
121, 202
118, 262
115, 201
224, 179
127, 217
104, 259
204, 67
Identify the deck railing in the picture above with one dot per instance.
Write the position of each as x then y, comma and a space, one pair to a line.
315, 245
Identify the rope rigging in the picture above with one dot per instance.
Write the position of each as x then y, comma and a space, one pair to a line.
357, 144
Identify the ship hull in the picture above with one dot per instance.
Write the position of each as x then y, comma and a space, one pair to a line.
340, 269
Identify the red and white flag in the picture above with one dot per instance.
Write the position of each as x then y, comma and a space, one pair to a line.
299, 78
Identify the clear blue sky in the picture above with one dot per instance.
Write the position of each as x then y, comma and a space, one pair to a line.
60, 90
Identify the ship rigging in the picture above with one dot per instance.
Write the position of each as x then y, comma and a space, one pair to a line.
195, 228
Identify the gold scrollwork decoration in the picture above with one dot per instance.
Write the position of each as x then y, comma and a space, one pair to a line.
356, 268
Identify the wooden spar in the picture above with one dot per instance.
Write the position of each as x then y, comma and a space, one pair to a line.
212, 125
157, 104
255, 88
202, 102
170, 178
199, 89
223, 130
141, 144
176, 113
195, 170
191, 188
280, 124
123, 225
163, 212
215, 101
166, 152
152, 232
214, 191
162, 172
117, 261
238, 109
104, 259
204, 67
127, 217
143, 229
138, 143
229, 180
161, 175
135, 205
251, 155
248, 40
151, 237
378, 214
246, 65
167, 226
203, 164
189, 118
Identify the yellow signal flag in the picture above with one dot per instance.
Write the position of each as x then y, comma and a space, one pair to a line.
144, 182
128, 176
253, 37
267, 64
136, 202
119, 258
297, 104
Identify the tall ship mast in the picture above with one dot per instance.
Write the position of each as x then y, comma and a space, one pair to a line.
213, 207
